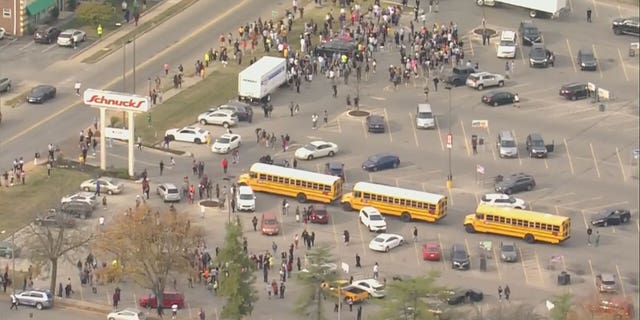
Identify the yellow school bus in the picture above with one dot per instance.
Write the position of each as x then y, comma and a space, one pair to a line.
406, 203
300, 184
528, 225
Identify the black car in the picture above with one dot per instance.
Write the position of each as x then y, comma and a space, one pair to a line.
242, 110
45, 34
41, 93
540, 56
630, 25
334, 169
611, 217
464, 297
375, 123
497, 98
535, 145
529, 33
575, 91
54, 219
381, 161
459, 76
587, 60
515, 183
77, 209
335, 46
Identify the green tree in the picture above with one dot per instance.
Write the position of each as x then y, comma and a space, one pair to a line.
94, 12
409, 299
561, 306
236, 278
319, 269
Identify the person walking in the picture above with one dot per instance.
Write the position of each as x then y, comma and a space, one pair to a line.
201, 315
415, 234
506, 68
435, 83
507, 293
254, 222
597, 238
99, 31
589, 15
14, 302
291, 106
225, 165
589, 232
376, 270
326, 117
334, 87
77, 88
516, 100
499, 293
314, 120
161, 165
358, 265
285, 207
345, 236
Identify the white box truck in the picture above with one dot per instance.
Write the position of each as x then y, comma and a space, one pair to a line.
259, 80
536, 8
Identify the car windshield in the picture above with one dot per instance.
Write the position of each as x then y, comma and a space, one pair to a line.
65, 35
172, 190
530, 31
222, 140
432, 249
424, 115
588, 56
375, 217
378, 240
37, 91
270, 222
246, 196
507, 43
310, 147
374, 158
537, 143
508, 144
508, 248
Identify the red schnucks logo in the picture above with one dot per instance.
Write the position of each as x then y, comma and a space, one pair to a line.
98, 99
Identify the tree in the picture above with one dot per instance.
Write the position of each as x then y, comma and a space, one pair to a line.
94, 12
561, 306
319, 269
49, 243
150, 246
408, 299
236, 277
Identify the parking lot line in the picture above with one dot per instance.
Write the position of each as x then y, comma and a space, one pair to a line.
364, 129
595, 161
595, 54
624, 175
415, 247
524, 61
444, 265
339, 126
364, 249
413, 127
595, 8
555, 196
471, 47
516, 139
593, 274
386, 119
495, 258
624, 292
573, 59
439, 134
535, 254
49, 48
26, 45
566, 147
584, 218
624, 69
450, 196
464, 136
609, 205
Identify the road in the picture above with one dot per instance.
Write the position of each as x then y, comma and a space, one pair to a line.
53, 314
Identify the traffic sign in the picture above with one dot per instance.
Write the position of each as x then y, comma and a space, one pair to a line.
449, 141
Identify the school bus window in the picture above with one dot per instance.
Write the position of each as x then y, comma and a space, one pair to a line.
402, 202
537, 225
519, 222
280, 179
298, 183
525, 223
543, 226
420, 205
556, 228
507, 220
253, 175
357, 194
286, 180
396, 201
366, 195
326, 188
479, 216
489, 218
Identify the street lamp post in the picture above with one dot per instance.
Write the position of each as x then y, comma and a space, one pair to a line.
449, 141
13, 259
124, 76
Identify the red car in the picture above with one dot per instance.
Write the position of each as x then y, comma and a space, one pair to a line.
431, 252
319, 214
168, 299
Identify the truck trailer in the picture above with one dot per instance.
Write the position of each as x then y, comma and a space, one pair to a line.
536, 8
259, 80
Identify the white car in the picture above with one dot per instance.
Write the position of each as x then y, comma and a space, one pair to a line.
385, 242
168, 192
64, 38
245, 199
371, 218
503, 200
188, 134
108, 185
83, 196
372, 286
126, 314
316, 149
2, 32
226, 143
222, 117
507, 45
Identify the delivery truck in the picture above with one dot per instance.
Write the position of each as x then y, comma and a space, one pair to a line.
259, 80
536, 8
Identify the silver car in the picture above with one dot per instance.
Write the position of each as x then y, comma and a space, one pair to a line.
482, 80
508, 251
107, 185
36, 298
168, 192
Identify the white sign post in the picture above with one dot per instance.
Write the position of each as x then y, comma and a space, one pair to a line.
130, 103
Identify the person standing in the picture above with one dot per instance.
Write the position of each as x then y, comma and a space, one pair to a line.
597, 238
326, 117
314, 120
99, 31
161, 166
589, 232
359, 314
201, 315
589, 15
14, 302
415, 234
506, 68
499, 293
291, 106
254, 221
225, 165
334, 87
507, 293
285, 207
435, 83
376, 271
516, 100
77, 86
358, 265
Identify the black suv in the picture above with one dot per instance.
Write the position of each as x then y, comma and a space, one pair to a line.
629, 26
375, 123
335, 46
460, 257
459, 76
587, 60
535, 146
46, 34
574, 91
515, 183
529, 33
77, 209
540, 56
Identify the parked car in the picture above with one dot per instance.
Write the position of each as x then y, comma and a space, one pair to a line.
371, 218
535, 145
483, 80
574, 91
316, 149
82, 196
5, 85
108, 185
385, 242
376, 123
77, 209
36, 298
606, 282
502, 200
540, 56
372, 286
127, 314
629, 25
41, 93
9, 250
529, 33
611, 217
243, 111
464, 297
515, 183
168, 192
498, 98
508, 251
459, 76
226, 143
269, 224
335, 46
245, 199
459, 257
431, 252
54, 219
381, 161
319, 214
187, 134
45, 34
587, 60
334, 169
168, 299
225, 118
64, 38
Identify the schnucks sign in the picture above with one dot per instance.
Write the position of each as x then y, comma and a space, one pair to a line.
116, 100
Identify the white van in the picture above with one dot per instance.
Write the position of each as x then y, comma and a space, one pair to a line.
245, 199
507, 45
424, 116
